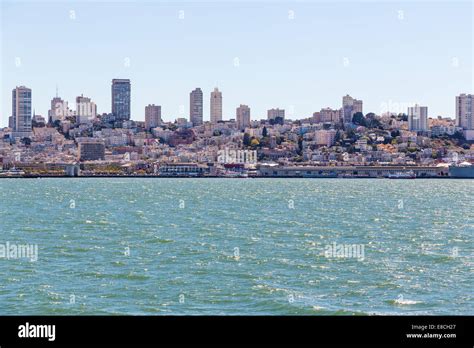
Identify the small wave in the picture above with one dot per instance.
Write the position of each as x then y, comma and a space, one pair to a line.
161, 241
404, 302
129, 276
318, 308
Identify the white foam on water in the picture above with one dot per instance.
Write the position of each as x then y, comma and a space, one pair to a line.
406, 302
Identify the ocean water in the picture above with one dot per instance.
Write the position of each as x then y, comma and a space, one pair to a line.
238, 246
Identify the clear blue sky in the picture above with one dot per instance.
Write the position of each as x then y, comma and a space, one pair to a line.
423, 54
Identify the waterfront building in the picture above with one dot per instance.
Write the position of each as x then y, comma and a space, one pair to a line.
72, 170
21, 112
216, 106
348, 171
152, 116
418, 118
121, 92
464, 105
243, 116
183, 169
350, 106
91, 149
196, 107
272, 114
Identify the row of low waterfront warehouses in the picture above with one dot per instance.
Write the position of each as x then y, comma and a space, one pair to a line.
351, 171
194, 169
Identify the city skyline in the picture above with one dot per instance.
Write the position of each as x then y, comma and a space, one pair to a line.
86, 110
349, 107
301, 77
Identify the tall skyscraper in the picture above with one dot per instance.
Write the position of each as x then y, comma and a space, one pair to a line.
21, 112
350, 106
86, 110
243, 116
195, 107
216, 106
152, 116
274, 113
121, 99
418, 118
464, 104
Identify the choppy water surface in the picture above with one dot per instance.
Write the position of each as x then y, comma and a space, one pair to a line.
238, 246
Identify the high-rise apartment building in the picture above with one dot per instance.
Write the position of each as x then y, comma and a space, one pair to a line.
121, 92
195, 107
152, 116
274, 113
418, 118
357, 106
216, 106
328, 115
21, 112
86, 110
464, 105
350, 106
243, 116
58, 110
